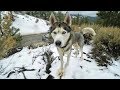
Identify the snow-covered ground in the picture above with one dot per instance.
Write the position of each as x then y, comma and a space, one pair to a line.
28, 25
77, 69
33, 65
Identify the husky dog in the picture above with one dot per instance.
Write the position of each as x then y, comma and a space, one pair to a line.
64, 37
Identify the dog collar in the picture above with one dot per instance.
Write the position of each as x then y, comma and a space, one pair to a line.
67, 41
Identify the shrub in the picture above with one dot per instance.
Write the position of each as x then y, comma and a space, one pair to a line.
9, 39
6, 44
48, 58
106, 45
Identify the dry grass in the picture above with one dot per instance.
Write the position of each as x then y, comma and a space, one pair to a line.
106, 45
94, 26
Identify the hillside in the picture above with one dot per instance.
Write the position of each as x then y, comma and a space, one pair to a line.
29, 24
90, 18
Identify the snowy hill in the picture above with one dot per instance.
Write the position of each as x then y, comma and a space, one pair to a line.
31, 63
29, 24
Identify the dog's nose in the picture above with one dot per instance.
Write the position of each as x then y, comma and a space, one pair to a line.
58, 43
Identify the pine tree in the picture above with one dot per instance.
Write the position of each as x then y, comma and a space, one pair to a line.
109, 18
78, 19
9, 38
40, 14
60, 16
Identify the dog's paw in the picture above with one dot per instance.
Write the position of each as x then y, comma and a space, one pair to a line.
60, 72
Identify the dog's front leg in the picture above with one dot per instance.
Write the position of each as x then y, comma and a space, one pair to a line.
68, 58
61, 70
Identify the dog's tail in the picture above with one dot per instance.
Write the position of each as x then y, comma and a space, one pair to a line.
88, 30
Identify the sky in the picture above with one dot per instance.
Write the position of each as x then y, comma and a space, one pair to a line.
85, 13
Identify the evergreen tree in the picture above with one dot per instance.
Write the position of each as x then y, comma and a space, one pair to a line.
60, 16
109, 18
9, 38
40, 14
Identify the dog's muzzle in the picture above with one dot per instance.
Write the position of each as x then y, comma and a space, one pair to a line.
58, 43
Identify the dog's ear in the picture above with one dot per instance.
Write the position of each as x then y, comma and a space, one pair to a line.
52, 19
68, 19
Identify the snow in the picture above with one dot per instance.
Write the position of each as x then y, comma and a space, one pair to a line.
77, 69
24, 58
27, 24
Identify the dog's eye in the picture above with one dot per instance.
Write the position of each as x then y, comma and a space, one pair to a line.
63, 32
54, 32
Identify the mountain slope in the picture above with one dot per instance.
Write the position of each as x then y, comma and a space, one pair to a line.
29, 24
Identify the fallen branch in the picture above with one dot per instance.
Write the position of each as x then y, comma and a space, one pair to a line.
20, 70
87, 60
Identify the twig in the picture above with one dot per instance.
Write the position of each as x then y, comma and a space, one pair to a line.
39, 74
24, 75
34, 58
87, 60
20, 70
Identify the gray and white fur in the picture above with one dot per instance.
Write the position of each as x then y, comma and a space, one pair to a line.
64, 37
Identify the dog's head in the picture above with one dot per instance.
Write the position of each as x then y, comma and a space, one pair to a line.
60, 31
